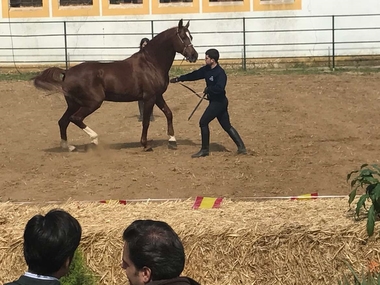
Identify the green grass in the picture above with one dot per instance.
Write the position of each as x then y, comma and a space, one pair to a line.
176, 71
79, 273
17, 76
24, 75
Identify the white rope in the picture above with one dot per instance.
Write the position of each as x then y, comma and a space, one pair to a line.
237, 199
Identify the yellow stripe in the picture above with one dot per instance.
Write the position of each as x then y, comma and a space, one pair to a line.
207, 203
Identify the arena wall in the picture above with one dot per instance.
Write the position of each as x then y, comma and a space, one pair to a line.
247, 28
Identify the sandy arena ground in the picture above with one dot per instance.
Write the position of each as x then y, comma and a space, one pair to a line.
304, 133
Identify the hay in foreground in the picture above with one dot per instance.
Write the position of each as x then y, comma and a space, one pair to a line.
271, 242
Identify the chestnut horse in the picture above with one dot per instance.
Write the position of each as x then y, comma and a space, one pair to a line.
143, 76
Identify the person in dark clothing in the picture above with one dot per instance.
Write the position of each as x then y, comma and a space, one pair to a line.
153, 254
216, 80
143, 43
49, 245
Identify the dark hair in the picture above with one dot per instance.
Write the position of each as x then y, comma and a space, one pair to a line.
49, 240
156, 245
213, 53
143, 40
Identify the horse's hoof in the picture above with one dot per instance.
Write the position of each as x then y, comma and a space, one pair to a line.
172, 145
67, 147
95, 141
71, 148
148, 148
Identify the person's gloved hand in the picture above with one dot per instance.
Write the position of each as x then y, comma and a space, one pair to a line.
205, 92
174, 80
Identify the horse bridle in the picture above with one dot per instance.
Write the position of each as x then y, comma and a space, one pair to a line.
185, 45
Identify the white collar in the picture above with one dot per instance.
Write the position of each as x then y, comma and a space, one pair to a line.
41, 277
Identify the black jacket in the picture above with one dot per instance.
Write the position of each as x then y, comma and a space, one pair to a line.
216, 80
25, 280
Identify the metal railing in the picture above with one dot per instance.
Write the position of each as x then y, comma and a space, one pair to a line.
246, 42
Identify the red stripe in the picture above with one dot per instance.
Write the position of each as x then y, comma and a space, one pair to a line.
217, 202
197, 203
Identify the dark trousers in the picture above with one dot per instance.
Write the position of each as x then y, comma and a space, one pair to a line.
218, 110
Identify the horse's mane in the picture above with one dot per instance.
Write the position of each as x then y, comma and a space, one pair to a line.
161, 37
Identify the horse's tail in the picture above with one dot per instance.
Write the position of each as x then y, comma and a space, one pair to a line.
50, 79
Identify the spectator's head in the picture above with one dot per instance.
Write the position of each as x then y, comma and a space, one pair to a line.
212, 54
152, 251
144, 42
50, 242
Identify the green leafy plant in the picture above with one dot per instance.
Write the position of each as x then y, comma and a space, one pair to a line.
79, 273
372, 277
368, 178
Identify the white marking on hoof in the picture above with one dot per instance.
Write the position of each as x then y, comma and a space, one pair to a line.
72, 148
172, 139
66, 146
95, 141
92, 134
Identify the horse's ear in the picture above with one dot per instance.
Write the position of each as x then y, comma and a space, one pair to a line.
187, 25
180, 24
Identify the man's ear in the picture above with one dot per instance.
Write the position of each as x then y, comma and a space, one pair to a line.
66, 265
146, 274
68, 261
64, 269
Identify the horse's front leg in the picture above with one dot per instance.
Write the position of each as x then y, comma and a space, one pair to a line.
160, 102
64, 122
148, 109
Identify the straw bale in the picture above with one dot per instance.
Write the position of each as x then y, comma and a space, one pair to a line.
271, 242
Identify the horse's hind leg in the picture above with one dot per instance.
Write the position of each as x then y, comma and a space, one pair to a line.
78, 117
64, 122
160, 102
148, 109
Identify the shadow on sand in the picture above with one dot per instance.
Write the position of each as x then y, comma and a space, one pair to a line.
214, 147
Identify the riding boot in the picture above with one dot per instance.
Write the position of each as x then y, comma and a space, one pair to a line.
141, 110
237, 140
205, 150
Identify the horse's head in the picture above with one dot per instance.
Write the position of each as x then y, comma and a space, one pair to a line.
182, 43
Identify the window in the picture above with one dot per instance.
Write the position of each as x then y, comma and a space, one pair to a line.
25, 3
224, 6
175, 1
116, 2
226, 0
276, 1
125, 7
273, 5
75, 8
25, 8
75, 2
175, 6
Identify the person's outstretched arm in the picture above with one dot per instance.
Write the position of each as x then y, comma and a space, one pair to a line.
192, 76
